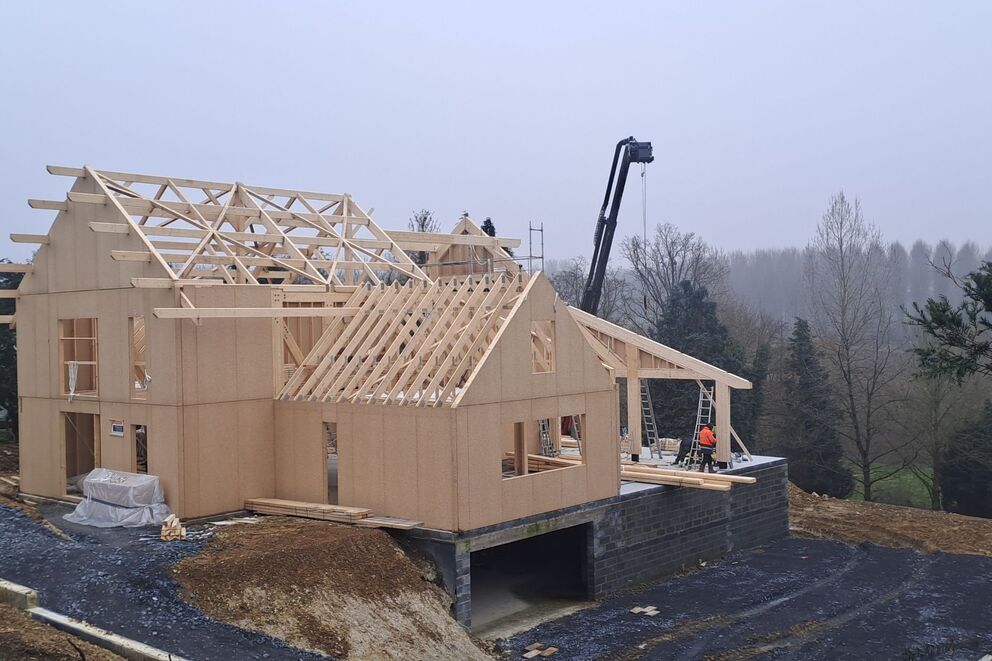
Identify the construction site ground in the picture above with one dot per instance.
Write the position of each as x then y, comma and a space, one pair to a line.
23, 639
798, 599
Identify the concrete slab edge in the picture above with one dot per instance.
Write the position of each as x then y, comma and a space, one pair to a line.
125, 647
17, 596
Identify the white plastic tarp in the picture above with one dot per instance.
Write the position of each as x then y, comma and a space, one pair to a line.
115, 498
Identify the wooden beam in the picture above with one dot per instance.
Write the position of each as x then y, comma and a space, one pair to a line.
664, 373
16, 268
41, 239
252, 313
8, 293
7, 319
52, 205
653, 348
130, 256
441, 239
110, 228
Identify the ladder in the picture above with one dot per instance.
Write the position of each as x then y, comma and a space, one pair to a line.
547, 446
648, 423
576, 432
704, 415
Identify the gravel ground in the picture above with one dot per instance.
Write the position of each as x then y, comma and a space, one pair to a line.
795, 599
113, 580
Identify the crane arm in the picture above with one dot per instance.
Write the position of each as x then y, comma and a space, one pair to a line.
627, 151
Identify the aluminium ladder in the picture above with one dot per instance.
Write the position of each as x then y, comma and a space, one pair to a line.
704, 415
648, 423
576, 432
547, 445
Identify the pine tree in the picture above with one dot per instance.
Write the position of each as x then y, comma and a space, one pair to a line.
966, 472
811, 443
689, 324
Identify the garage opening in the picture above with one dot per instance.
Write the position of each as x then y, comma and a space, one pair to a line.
517, 584
82, 448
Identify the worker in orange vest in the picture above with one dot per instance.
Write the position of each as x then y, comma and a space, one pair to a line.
707, 446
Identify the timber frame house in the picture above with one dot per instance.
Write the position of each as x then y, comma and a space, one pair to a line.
237, 340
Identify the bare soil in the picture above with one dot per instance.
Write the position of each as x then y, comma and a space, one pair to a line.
341, 590
855, 522
23, 639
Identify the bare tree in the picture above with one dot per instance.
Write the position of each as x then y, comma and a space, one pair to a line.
422, 221
569, 280
659, 265
847, 283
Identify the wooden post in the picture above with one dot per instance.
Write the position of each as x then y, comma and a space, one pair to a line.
722, 397
633, 399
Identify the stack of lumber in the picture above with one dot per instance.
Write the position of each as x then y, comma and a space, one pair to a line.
538, 462
337, 513
172, 529
673, 477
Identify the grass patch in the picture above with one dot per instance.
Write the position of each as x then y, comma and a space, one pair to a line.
903, 488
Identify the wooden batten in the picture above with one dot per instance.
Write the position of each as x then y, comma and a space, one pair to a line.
16, 268
252, 313
40, 239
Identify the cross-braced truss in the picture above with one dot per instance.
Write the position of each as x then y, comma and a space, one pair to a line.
241, 234
413, 344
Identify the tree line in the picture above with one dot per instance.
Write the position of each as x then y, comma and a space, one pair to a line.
870, 363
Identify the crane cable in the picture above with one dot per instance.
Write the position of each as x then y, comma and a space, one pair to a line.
644, 217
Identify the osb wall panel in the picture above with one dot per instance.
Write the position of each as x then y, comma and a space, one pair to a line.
226, 360
300, 452
225, 449
41, 452
398, 461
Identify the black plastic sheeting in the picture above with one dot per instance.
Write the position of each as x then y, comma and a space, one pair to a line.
111, 579
795, 599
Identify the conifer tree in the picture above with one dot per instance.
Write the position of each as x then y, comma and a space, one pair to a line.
966, 472
810, 442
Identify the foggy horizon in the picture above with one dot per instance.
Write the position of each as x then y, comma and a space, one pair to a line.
758, 112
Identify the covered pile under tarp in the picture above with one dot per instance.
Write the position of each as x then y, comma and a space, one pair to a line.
115, 498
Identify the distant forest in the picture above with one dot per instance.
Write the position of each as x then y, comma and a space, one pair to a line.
771, 281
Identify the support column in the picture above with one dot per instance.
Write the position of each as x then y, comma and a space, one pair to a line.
722, 397
634, 399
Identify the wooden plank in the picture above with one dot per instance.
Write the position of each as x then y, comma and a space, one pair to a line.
439, 239
41, 239
52, 205
16, 268
8, 293
252, 313
110, 228
7, 319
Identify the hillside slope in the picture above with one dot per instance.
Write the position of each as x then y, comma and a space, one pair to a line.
855, 522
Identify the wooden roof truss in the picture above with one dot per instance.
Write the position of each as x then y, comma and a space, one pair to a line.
415, 344
241, 234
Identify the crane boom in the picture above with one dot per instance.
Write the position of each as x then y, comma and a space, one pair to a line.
628, 151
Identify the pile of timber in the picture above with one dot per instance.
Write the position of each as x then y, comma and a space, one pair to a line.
359, 516
635, 472
172, 529
337, 513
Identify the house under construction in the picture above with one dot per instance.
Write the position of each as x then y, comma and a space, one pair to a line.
248, 342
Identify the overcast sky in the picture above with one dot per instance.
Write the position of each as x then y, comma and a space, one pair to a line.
758, 111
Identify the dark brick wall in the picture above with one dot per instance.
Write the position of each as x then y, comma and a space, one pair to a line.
649, 535
635, 537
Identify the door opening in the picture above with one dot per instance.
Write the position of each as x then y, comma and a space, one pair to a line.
81, 432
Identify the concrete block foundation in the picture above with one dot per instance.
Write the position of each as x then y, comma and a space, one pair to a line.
632, 538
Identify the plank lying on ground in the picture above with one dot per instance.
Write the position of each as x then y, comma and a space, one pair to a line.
387, 522
320, 511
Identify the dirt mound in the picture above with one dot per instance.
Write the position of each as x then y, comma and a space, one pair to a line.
23, 639
855, 522
342, 590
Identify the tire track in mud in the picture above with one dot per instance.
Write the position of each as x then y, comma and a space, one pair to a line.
798, 635
700, 627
